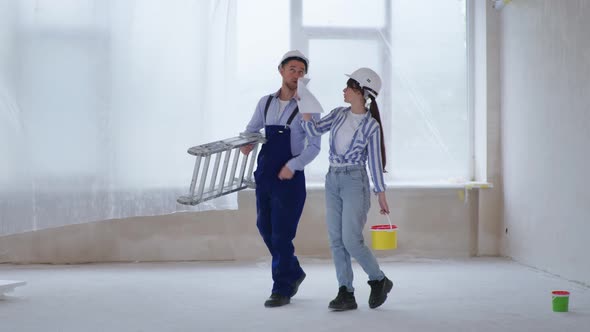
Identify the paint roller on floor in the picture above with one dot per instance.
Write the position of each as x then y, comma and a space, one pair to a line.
225, 149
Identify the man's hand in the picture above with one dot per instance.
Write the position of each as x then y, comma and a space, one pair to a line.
306, 116
246, 149
285, 173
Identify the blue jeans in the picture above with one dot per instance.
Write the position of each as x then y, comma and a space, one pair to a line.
348, 199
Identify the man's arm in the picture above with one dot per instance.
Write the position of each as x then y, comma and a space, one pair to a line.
256, 123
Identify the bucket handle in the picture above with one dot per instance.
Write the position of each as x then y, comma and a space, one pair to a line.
390, 224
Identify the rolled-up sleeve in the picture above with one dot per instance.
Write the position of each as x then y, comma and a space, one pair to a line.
257, 122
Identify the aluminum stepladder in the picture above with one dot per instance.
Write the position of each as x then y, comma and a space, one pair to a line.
226, 149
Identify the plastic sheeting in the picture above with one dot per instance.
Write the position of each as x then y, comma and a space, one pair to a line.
99, 102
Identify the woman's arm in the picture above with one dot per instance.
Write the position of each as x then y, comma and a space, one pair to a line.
374, 158
376, 168
315, 127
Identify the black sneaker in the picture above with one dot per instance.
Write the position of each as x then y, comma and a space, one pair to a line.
343, 301
379, 290
277, 300
297, 283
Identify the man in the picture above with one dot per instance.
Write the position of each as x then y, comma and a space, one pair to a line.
280, 181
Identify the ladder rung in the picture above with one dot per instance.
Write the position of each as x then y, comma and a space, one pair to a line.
215, 169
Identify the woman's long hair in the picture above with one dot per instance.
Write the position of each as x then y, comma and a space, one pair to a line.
374, 109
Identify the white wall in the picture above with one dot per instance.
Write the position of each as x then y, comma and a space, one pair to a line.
546, 134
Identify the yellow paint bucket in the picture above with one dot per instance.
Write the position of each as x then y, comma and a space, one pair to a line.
384, 237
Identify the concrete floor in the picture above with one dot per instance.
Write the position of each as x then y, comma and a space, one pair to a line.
478, 294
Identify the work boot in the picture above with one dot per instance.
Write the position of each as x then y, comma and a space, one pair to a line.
277, 300
344, 300
297, 283
379, 290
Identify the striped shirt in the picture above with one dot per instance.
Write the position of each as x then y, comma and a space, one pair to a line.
365, 143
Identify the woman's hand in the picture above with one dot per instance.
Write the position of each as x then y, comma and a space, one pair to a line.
383, 203
305, 116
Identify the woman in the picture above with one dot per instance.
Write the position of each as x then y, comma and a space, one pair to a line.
356, 137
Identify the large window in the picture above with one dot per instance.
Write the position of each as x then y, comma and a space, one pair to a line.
418, 47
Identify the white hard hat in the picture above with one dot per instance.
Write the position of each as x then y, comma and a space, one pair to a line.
295, 54
367, 79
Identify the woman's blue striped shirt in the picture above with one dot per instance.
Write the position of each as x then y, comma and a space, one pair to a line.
365, 144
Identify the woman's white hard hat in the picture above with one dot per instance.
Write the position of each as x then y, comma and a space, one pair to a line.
367, 79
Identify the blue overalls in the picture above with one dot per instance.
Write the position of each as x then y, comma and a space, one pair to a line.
279, 204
